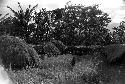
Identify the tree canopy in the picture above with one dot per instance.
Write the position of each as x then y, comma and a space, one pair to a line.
73, 25
81, 25
119, 33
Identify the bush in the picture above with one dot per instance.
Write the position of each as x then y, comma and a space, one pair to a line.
78, 50
51, 50
16, 53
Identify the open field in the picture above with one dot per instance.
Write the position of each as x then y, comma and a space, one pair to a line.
60, 71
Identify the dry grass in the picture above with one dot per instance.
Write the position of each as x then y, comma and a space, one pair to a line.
57, 71
17, 53
85, 72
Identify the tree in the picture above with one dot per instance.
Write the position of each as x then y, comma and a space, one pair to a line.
119, 33
78, 25
21, 22
72, 25
5, 23
43, 31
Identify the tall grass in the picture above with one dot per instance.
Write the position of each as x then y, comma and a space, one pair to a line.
59, 72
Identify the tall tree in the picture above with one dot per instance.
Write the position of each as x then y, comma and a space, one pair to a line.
119, 33
21, 22
43, 31
81, 25
5, 24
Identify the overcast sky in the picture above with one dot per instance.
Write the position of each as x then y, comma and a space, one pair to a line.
115, 8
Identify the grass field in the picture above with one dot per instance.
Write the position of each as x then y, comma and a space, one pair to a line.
58, 70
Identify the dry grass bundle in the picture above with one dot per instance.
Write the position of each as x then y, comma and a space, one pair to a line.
50, 49
16, 53
59, 45
39, 49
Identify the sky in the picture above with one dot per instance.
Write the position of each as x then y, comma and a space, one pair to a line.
115, 8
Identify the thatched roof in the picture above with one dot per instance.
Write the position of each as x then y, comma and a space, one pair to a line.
50, 48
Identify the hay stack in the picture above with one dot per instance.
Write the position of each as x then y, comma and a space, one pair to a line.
16, 53
59, 45
51, 50
39, 49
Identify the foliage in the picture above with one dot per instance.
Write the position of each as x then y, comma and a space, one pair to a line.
21, 22
119, 33
72, 25
81, 25
78, 50
5, 24
44, 29
83, 50
15, 53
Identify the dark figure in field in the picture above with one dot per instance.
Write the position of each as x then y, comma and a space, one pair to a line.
73, 61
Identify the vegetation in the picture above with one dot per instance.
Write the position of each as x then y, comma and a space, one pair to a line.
50, 49
58, 70
118, 33
15, 53
72, 25
81, 25
75, 39
21, 25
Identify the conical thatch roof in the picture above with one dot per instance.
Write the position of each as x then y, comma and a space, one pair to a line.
16, 52
114, 51
59, 45
51, 49
39, 49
